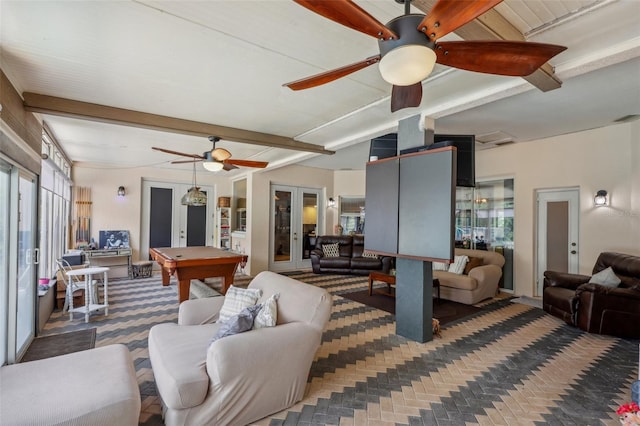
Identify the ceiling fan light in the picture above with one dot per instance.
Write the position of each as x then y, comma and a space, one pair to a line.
213, 166
407, 65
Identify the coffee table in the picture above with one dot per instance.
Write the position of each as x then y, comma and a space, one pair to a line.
390, 280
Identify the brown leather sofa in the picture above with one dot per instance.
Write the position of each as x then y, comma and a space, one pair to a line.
593, 307
350, 260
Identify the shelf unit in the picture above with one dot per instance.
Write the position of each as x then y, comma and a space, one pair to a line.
223, 226
116, 259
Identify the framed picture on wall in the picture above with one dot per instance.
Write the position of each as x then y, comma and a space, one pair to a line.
114, 239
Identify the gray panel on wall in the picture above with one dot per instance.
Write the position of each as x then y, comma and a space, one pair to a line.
426, 204
381, 206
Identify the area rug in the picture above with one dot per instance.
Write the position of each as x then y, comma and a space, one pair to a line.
525, 300
60, 344
444, 310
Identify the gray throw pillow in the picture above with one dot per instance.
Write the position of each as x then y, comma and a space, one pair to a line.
606, 277
238, 323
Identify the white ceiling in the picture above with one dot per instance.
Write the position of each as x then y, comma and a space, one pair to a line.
224, 63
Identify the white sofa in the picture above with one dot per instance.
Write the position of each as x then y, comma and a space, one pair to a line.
481, 282
241, 378
92, 387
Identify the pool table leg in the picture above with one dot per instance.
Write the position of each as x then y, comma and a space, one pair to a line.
228, 280
166, 276
183, 290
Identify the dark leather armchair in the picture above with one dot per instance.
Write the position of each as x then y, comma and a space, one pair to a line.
350, 260
595, 308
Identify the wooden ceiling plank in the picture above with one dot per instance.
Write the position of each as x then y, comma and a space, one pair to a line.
493, 26
52, 105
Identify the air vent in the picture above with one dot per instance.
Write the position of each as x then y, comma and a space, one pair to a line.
494, 138
627, 118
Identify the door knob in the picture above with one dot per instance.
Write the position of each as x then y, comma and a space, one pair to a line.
573, 252
573, 244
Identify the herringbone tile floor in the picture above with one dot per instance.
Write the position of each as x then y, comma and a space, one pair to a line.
508, 364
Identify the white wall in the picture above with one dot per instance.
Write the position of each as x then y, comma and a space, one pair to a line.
112, 212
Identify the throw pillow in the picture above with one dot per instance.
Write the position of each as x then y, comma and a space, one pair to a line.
472, 263
606, 277
331, 250
236, 300
238, 323
268, 315
459, 262
369, 254
440, 266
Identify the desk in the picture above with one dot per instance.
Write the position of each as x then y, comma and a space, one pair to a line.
90, 305
189, 263
113, 258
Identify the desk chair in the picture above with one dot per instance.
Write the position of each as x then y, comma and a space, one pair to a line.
74, 283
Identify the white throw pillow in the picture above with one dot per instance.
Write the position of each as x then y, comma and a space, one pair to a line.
606, 277
331, 250
236, 299
440, 266
369, 254
268, 315
459, 262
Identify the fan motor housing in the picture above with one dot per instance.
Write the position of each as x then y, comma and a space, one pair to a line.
406, 27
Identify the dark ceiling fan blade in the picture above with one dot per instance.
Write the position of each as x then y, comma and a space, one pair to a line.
220, 154
228, 167
449, 15
512, 58
195, 160
247, 163
329, 76
168, 151
350, 15
406, 96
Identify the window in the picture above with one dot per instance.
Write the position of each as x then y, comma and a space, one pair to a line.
484, 220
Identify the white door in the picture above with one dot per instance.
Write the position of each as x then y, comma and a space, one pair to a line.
558, 228
295, 218
168, 223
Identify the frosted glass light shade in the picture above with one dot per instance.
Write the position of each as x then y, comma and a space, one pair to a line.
194, 197
407, 65
213, 166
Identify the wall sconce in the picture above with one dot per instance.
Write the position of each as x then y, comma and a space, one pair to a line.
121, 191
601, 198
331, 203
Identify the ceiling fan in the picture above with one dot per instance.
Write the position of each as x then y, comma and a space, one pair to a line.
216, 159
409, 48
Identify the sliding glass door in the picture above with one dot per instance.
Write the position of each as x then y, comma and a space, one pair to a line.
4, 259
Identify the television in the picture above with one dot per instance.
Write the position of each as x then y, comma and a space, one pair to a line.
466, 161
384, 146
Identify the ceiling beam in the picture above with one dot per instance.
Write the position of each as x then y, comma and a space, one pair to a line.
493, 26
70, 108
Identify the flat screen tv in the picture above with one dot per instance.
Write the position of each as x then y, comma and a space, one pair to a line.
466, 163
384, 146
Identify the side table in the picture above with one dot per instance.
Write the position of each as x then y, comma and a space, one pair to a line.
90, 305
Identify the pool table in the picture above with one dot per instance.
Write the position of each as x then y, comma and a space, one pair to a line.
189, 263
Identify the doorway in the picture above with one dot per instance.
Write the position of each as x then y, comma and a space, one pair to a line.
168, 223
294, 222
558, 229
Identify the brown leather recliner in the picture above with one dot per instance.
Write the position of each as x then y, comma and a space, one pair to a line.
595, 308
350, 260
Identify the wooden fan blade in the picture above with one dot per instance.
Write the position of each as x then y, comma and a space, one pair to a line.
406, 96
350, 15
220, 154
513, 58
195, 160
449, 15
228, 167
168, 151
329, 76
247, 163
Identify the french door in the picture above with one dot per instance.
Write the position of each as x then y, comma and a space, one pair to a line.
558, 227
295, 219
18, 260
168, 223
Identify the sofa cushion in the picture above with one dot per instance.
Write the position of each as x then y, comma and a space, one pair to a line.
367, 253
440, 266
459, 281
365, 263
472, 263
178, 355
331, 250
459, 262
236, 299
606, 277
238, 323
268, 315
335, 262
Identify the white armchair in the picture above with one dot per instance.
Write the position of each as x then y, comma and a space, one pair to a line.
241, 378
